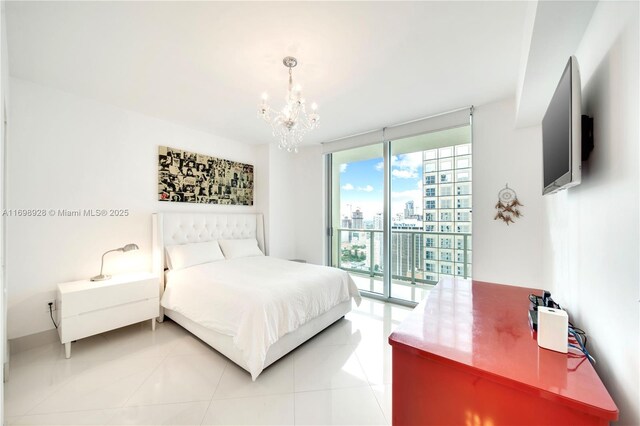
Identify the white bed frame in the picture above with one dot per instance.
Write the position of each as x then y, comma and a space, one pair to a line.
183, 228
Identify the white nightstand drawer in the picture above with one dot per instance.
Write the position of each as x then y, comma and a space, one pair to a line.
82, 297
86, 308
99, 321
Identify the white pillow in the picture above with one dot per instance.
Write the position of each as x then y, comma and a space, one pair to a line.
240, 248
185, 255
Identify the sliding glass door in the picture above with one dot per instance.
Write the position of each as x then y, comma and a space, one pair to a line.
357, 207
430, 211
401, 213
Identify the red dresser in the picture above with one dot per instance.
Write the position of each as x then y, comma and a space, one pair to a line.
466, 356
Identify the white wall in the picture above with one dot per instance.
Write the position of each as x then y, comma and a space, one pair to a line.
503, 154
68, 152
4, 103
591, 241
310, 217
283, 205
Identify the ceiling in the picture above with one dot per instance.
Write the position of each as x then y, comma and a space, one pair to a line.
560, 24
205, 64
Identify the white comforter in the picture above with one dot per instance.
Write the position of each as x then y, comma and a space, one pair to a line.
256, 300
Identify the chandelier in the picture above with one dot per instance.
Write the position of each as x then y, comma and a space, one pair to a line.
291, 123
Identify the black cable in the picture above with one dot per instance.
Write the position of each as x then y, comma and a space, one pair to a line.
51, 314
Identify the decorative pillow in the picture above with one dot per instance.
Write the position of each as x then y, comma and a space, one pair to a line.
184, 255
240, 248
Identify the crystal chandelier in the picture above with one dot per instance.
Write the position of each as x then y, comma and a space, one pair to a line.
290, 123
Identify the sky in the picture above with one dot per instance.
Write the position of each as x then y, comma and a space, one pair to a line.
361, 185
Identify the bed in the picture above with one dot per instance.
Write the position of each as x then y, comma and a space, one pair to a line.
250, 307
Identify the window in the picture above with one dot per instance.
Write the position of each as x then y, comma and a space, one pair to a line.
463, 176
463, 149
463, 163
432, 154
446, 164
445, 152
426, 230
445, 177
463, 216
430, 166
445, 190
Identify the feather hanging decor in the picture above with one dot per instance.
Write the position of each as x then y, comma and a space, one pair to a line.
507, 205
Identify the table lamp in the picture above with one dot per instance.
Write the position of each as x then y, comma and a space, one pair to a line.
102, 277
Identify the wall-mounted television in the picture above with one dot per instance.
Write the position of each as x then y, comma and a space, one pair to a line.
562, 133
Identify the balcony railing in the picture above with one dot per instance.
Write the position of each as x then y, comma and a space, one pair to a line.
417, 257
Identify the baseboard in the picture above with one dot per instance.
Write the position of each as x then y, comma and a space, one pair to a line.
31, 341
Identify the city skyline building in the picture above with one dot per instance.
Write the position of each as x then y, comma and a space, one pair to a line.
447, 211
408, 209
407, 249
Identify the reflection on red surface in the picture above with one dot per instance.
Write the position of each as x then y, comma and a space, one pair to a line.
475, 338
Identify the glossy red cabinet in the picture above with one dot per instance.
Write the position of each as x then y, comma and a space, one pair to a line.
466, 356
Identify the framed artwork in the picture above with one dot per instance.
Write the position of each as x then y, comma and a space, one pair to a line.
187, 177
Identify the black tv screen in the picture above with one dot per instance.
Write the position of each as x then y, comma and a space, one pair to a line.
556, 132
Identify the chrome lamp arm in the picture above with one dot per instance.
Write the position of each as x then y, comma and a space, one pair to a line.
103, 277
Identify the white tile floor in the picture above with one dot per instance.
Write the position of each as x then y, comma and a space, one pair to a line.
136, 376
399, 289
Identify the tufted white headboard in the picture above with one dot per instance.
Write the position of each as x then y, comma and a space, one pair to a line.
183, 228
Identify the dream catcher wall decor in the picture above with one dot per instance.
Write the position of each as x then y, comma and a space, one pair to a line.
507, 205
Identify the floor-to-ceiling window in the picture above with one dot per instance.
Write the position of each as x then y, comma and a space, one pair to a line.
357, 201
401, 212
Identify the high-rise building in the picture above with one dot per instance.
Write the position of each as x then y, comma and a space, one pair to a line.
345, 236
356, 219
377, 241
408, 210
447, 211
406, 248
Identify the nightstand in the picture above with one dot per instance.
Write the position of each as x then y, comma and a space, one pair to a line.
86, 308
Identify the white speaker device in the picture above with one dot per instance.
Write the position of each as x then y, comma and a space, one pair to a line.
553, 329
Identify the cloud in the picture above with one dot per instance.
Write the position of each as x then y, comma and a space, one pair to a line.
348, 187
404, 174
343, 167
410, 194
406, 166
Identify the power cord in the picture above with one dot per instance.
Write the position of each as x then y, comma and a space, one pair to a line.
580, 338
51, 314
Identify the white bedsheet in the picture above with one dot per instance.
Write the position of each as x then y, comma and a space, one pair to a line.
257, 299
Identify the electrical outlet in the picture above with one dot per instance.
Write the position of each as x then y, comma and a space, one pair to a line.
53, 305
